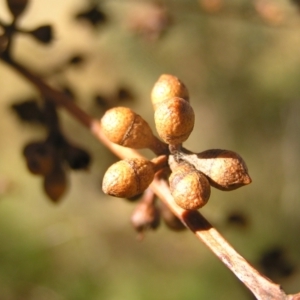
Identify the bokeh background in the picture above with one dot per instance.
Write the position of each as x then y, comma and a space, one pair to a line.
241, 63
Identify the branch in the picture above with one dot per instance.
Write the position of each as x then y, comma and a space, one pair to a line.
262, 287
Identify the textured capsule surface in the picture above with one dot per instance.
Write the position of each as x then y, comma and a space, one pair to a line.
189, 187
225, 169
168, 86
127, 178
174, 120
124, 127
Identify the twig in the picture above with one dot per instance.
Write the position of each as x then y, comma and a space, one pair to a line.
262, 287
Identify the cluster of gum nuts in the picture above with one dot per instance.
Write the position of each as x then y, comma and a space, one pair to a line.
190, 175
51, 159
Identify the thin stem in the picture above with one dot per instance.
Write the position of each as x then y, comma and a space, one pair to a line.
56, 96
260, 286
160, 162
158, 147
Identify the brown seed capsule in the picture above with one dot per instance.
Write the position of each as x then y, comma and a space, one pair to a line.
55, 184
129, 177
126, 128
174, 120
168, 86
189, 187
225, 169
170, 219
39, 157
76, 157
146, 215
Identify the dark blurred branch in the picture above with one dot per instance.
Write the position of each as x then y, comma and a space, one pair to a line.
260, 286
50, 93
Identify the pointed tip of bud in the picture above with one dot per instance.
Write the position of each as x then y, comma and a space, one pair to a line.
166, 87
247, 179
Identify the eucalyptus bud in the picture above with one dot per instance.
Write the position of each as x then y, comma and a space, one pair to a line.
170, 219
39, 157
129, 177
77, 158
168, 86
55, 184
226, 170
174, 120
189, 187
124, 127
146, 215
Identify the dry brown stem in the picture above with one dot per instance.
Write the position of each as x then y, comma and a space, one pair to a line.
260, 286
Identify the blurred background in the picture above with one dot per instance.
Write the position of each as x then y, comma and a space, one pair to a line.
241, 63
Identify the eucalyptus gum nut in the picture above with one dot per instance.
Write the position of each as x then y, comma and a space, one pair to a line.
127, 178
174, 120
170, 219
39, 157
189, 187
145, 216
226, 170
168, 86
124, 127
76, 157
55, 184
